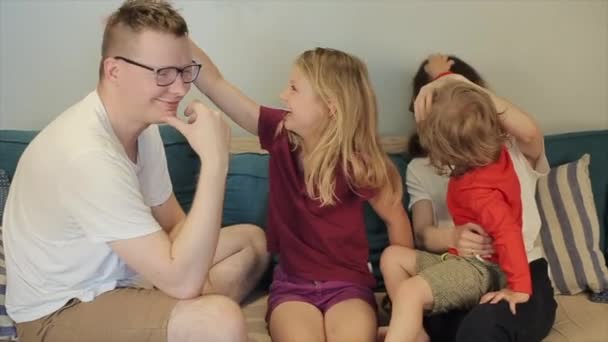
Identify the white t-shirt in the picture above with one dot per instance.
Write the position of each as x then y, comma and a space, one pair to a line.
73, 191
423, 183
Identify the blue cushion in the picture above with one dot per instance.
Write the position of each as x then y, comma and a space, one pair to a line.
377, 236
246, 198
183, 164
12, 145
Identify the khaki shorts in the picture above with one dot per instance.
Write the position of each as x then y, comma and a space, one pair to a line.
457, 282
121, 315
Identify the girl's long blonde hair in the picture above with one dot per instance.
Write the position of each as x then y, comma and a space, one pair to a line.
348, 139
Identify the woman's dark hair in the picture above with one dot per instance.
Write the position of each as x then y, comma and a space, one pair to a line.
421, 79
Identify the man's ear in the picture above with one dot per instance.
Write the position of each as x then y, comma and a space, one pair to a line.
111, 69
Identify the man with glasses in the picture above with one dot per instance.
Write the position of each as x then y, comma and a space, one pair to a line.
91, 210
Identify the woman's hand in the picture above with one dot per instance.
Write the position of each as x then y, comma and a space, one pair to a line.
424, 100
511, 297
470, 240
437, 64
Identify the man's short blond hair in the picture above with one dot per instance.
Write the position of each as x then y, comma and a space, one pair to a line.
463, 130
136, 16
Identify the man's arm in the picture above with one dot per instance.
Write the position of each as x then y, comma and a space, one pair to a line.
170, 216
240, 108
180, 267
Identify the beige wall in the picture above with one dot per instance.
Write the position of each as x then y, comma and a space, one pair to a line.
550, 57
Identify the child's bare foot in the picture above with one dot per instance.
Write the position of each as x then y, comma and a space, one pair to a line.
423, 336
381, 333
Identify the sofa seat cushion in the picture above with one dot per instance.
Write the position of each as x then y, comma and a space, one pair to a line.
577, 319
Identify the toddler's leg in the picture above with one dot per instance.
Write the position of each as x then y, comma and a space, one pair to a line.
410, 300
397, 264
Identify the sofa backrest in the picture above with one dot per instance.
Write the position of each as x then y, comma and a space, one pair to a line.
12, 145
247, 184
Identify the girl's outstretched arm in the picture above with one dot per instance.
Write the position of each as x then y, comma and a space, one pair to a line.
240, 108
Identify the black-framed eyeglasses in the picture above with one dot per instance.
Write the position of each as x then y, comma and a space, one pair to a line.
167, 75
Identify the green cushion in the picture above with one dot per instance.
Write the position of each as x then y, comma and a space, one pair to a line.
246, 198
184, 165
12, 145
377, 235
246, 194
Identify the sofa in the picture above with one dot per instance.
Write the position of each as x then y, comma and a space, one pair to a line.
577, 319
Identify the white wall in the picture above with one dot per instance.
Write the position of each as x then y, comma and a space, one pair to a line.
550, 57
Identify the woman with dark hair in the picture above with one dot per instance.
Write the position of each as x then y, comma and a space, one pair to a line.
430, 69
435, 231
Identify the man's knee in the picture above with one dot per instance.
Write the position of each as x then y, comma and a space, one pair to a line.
257, 241
216, 318
256, 237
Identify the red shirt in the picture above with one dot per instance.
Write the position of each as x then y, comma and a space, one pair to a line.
491, 197
313, 242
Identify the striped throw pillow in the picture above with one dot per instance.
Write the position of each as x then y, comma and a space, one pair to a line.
4, 185
8, 332
7, 326
570, 230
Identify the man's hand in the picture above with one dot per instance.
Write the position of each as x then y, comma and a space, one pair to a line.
206, 131
510, 296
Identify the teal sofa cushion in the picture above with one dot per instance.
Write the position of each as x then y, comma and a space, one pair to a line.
184, 165
12, 145
377, 235
246, 198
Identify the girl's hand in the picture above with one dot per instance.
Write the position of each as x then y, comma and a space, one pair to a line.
512, 297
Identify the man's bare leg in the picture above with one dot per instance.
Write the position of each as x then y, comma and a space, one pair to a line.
240, 261
209, 318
